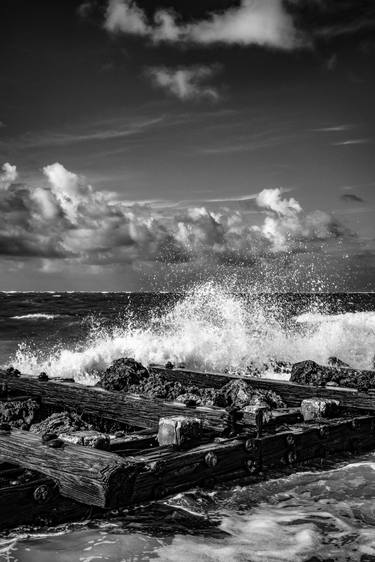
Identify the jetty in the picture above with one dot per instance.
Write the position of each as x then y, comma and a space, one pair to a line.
132, 448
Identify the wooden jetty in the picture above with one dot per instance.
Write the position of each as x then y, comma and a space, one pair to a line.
165, 447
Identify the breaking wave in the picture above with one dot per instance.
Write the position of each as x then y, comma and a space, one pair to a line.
39, 316
211, 328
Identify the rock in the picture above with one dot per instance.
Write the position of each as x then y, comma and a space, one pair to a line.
318, 408
43, 377
336, 362
122, 374
189, 399
309, 372
19, 412
169, 365
178, 430
60, 422
12, 372
239, 393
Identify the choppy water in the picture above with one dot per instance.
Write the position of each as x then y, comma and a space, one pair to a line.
322, 515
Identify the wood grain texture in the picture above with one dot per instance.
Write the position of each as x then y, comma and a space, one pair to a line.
84, 474
133, 410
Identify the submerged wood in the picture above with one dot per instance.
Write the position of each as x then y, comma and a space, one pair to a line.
290, 392
84, 474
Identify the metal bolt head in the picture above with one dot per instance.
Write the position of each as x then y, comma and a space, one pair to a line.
210, 459
251, 466
250, 445
42, 493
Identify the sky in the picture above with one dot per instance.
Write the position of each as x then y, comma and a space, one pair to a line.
147, 145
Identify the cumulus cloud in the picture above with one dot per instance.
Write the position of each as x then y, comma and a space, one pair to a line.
9, 175
252, 22
64, 217
185, 83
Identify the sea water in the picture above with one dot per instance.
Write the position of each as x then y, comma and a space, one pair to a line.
324, 514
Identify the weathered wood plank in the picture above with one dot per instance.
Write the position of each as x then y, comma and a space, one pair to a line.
134, 410
84, 474
291, 393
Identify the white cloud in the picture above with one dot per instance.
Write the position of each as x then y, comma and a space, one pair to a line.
272, 200
253, 22
66, 218
8, 175
186, 83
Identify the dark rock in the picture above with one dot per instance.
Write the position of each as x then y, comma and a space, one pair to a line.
311, 373
12, 372
19, 412
122, 374
169, 365
60, 422
336, 362
240, 393
43, 377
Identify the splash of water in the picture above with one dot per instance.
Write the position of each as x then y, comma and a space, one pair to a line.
210, 328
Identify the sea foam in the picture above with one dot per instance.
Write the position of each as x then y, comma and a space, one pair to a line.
212, 329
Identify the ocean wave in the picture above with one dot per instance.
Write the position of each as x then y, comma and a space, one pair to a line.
36, 316
211, 329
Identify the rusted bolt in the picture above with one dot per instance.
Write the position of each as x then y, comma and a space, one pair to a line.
251, 466
355, 424
46, 437
290, 440
42, 493
250, 445
43, 377
211, 460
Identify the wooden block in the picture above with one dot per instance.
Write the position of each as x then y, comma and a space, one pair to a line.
84, 474
318, 408
88, 438
178, 430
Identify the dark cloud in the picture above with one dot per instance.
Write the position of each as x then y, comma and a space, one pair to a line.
351, 198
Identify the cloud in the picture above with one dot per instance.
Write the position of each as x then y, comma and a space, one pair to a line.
334, 129
352, 142
64, 218
351, 198
8, 175
252, 22
186, 83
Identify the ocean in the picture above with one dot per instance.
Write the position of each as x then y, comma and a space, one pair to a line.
322, 514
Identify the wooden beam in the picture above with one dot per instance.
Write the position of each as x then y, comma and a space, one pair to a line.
83, 474
291, 393
130, 409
